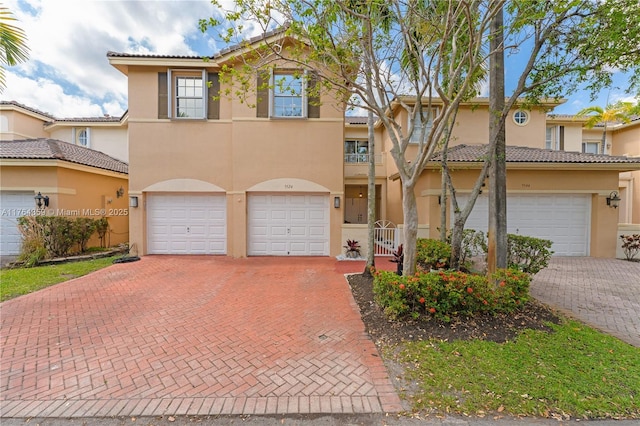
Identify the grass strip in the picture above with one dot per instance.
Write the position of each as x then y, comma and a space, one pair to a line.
573, 371
16, 282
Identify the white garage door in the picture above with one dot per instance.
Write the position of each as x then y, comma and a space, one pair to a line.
13, 205
187, 224
288, 225
562, 218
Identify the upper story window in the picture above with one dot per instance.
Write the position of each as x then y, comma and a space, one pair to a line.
555, 138
287, 93
591, 147
426, 124
521, 117
288, 97
188, 94
356, 151
81, 136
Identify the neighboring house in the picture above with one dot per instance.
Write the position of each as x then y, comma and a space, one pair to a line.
214, 175
78, 181
105, 134
625, 140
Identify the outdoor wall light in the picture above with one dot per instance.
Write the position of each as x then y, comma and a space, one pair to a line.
336, 202
41, 201
133, 201
613, 200
120, 192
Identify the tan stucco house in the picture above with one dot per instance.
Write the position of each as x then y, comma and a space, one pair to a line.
278, 175
76, 181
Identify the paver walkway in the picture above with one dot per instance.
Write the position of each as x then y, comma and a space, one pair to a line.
193, 335
604, 293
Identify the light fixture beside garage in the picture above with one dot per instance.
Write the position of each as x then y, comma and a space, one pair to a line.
133, 201
613, 200
336, 202
41, 201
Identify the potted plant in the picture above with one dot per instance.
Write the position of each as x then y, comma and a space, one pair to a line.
398, 259
352, 249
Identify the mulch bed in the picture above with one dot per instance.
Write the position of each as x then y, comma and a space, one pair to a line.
495, 328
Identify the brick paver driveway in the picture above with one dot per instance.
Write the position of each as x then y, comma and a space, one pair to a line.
192, 335
604, 293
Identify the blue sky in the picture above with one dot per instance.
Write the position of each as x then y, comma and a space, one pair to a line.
68, 74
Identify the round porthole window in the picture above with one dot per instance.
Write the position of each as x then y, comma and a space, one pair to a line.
521, 117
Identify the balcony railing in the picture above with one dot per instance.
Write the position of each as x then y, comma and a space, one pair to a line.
361, 158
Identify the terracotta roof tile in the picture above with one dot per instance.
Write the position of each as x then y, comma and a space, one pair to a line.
224, 51
518, 154
52, 149
18, 104
352, 119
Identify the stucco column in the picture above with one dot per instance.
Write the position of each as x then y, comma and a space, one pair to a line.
237, 224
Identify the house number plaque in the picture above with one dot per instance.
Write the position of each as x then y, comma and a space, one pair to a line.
288, 186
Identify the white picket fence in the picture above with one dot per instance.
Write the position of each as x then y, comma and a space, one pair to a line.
386, 236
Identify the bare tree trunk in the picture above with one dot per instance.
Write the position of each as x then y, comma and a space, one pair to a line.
371, 198
410, 217
497, 235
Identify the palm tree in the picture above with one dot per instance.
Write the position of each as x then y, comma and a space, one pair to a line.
620, 112
13, 44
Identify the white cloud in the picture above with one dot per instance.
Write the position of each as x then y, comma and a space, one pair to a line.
69, 40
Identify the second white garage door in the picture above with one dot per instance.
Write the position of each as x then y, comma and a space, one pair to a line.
562, 218
187, 224
288, 225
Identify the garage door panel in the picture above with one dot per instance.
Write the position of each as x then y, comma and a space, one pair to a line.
186, 224
14, 205
292, 221
561, 218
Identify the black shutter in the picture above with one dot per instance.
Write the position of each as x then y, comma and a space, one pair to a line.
313, 100
163, 109
262, 94
561, 144
213, 90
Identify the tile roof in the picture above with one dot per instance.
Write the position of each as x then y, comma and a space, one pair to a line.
17, 104
352, 119
519, 154
53, 149
219, 54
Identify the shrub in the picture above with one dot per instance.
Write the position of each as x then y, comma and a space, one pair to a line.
54, 236
432, 254
445, 294
630, 245
102, 226
528, 254
474, 243
83, 228
32, 250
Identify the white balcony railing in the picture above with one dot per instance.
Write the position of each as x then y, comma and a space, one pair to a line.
361, 158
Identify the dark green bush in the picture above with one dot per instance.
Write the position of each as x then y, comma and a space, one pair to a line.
446, 294
432, 254
528, 254
83, 228
54, 236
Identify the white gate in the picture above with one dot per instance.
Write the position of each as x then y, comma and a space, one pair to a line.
386, 238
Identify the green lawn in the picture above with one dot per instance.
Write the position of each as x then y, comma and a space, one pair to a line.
16, 282
574, 371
